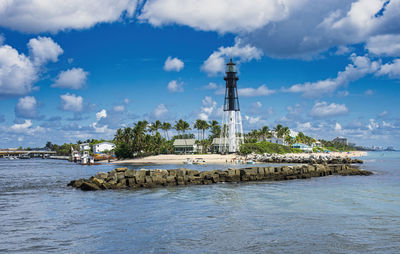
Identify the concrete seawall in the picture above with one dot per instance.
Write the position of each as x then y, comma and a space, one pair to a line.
123, 178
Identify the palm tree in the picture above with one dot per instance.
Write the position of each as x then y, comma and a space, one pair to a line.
139, 131
215, 129
182, 126
157, 125
204, 126
265, 132
166, 127
197, 125
278, 131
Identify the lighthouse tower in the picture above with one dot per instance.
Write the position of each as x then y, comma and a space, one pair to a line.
232, 130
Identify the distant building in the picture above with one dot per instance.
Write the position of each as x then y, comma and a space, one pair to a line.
341, 140
274, 140
317, 144
84, 147
185, 146
302, 147
217, 144
103, 146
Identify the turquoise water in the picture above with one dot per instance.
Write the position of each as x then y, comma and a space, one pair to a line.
335, 214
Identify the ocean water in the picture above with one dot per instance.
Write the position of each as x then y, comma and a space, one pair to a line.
335, 214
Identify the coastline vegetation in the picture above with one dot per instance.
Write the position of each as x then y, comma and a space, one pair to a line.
145, 139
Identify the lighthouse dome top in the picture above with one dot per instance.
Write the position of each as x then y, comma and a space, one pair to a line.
231, 66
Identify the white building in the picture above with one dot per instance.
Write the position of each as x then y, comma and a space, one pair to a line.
274, 140
84, 147
104, 146
184, 146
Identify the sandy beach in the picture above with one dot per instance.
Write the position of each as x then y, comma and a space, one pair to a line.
216, 158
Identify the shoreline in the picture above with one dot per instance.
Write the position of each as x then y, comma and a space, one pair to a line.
220, 159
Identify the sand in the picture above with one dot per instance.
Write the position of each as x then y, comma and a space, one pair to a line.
214, 158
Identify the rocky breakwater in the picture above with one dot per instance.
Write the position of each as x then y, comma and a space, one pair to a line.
123, 178
295, 158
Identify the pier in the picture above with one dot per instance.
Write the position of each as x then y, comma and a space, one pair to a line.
26, 154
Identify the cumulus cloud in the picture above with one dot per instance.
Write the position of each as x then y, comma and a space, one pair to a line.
101, 114
360, 66
173, 64
160, 111
44, 49
211, 86
222, 16
252, 120
260, 91
26, 128
215, 63
384, 45
306, 32
119, 108
209, 109
55, 15
26, 107
74, 78
17, 72
323, 109
175, 86
71, 102
390, 69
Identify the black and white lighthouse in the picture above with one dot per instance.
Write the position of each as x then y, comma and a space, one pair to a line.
232, 130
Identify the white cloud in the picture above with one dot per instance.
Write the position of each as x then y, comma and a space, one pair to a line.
175, 86
252, 120
21, 127
390, 69
119, 108
26, 128
222, 16
44, 49
74, 78
360, 67
260, 91
127, 101
342, 50
173, 64
306, 32
71, 102
215, 63
101, 114
369, 92
54, 15
211, 86
338, 127
208, 109
384, 45
26, 107
17, 72
160, 111
323, 109
372, 125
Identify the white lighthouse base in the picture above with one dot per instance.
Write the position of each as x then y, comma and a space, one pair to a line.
231, 132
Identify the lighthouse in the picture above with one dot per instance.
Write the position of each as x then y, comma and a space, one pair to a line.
232, 130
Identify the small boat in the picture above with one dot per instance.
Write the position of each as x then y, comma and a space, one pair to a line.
250, 162
188, 161
199, 161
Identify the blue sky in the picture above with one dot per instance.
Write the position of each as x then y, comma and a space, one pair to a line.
71, 71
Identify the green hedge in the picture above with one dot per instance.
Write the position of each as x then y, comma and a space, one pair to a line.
266, 147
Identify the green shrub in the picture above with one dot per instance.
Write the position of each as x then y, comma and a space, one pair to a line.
266, 147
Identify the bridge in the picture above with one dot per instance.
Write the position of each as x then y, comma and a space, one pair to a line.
19, 153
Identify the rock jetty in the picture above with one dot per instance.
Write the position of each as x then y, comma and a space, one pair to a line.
123, 178
301, 158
